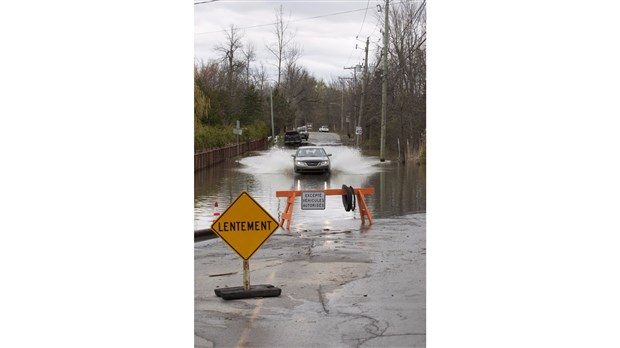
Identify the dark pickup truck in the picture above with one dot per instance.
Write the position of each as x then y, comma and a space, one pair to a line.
292, 138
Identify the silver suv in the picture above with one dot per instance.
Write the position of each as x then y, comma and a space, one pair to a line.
311, 159
303, 132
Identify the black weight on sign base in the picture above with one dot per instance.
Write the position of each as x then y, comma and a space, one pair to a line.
238, 292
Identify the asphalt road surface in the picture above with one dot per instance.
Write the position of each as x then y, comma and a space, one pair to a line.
350, 286
322, 138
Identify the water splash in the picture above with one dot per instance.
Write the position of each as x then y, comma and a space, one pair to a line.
344, 159
351, 161
273, 161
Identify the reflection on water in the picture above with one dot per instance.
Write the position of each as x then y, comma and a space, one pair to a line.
399, 188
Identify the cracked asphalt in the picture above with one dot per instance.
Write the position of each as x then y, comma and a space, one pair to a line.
345, 287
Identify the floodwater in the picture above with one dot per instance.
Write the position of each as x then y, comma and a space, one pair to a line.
400, 188
342, 283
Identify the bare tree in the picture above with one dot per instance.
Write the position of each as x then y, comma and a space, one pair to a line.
260, 76
408, 63
283, 38
291, 57
249, 54
229, 49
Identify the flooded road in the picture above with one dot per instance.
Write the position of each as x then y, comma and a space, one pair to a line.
399, 187
343, 284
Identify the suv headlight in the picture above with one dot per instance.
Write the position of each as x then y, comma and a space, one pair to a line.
324, 163
300, 163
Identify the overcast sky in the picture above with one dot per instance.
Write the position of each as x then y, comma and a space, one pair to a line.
326, 35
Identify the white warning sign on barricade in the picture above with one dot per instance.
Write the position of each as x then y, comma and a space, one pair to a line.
313, 200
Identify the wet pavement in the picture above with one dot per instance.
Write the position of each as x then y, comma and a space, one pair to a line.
347, 286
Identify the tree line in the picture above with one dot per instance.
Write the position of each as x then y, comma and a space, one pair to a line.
236, 87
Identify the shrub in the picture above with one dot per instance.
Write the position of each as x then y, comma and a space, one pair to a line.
210, 137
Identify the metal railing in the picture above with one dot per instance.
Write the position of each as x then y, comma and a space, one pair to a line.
207, 158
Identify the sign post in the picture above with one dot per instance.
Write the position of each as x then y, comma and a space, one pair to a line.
245, 226
246, 275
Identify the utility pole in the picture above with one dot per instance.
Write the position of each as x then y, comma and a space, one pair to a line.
342, 107
273, 135
342, 101
359, 120
354, 72
354, 81
385, 76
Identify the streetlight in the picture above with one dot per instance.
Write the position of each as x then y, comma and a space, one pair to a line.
273, 133
273, 139
342, 108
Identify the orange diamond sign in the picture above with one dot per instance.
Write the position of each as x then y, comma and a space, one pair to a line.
245, 226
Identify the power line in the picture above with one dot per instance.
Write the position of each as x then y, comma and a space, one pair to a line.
204, 2
295, 20
356, 37
377, 25
363, 20
291, 1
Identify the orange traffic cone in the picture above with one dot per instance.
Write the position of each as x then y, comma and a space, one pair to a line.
216, 213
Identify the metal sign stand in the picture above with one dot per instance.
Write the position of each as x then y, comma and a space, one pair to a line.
247, 291
245, 238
